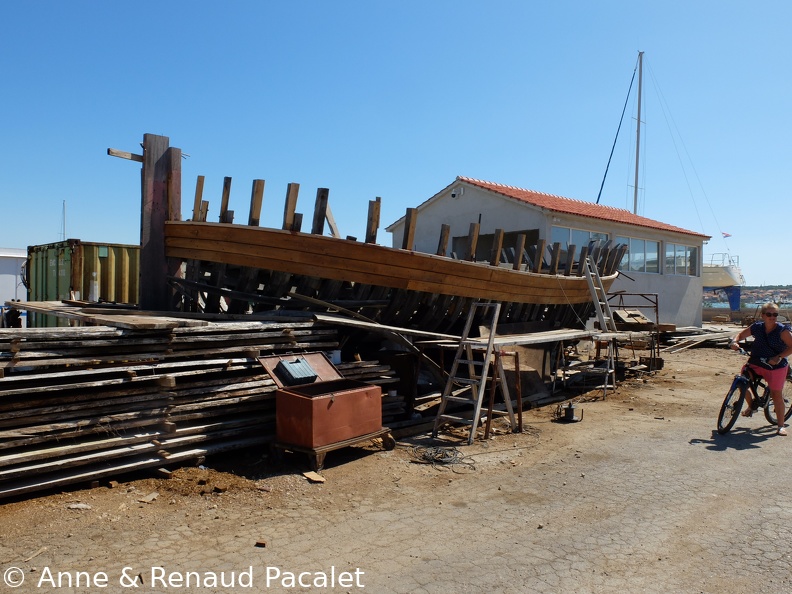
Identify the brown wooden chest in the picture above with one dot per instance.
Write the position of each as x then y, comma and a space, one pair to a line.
327, 411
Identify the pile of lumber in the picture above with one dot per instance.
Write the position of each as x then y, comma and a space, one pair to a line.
698, 337
83, 403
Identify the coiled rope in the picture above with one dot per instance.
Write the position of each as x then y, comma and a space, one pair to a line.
442, 458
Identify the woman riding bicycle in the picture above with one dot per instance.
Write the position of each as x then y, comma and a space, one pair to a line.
771, 346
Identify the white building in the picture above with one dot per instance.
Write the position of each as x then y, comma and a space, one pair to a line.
11, 285
663, 262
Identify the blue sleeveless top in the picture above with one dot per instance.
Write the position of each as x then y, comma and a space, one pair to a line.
767, 345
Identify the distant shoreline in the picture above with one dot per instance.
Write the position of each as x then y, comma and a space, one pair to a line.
707, 313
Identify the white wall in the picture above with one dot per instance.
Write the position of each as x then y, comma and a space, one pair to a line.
678, 297
11, 287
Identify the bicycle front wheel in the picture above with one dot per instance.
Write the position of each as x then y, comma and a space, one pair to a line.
769, 409
730, 409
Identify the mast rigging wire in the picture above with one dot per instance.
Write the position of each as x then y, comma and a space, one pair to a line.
621, 120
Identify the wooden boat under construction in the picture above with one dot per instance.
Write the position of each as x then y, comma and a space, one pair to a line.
226, 267
266, 268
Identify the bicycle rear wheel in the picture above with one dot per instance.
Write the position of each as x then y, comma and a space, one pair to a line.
730, 409
769, 409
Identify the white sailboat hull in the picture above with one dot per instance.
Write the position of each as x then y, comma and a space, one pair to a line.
717, 276
722, 270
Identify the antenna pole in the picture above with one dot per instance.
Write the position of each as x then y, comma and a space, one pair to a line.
638, 132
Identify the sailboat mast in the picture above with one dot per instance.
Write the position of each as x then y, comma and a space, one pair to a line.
638, 132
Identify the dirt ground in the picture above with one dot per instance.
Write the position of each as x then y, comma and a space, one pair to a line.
642, 495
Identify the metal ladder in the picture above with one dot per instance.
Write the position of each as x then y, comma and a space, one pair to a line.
605, 318
599, 297
473, 385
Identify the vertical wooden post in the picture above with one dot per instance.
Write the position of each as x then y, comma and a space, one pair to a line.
582, 260
290, 205
174, 157
372, 224
320, 211
519, 251
297, 222
497, 245
226, 216
539, 256
199, 186
556, 258
410, 219
473, 233
160, 174
570, 261
256, 198
442, 244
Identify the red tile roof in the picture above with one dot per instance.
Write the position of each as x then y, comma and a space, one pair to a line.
575, 207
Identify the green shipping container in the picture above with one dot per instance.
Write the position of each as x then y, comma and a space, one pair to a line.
81, 271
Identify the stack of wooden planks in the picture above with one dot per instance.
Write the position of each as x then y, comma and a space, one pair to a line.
83, 403
699, 337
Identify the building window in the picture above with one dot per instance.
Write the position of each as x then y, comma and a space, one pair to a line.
681, 259
580, 238
567, 236
642, 255
577, 237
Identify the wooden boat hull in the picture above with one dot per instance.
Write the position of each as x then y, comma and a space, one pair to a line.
418, 286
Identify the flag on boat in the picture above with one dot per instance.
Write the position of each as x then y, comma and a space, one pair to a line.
725, 234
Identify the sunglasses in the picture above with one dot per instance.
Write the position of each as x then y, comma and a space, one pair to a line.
771, 314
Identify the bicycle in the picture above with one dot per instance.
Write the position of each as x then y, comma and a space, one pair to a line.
760, 398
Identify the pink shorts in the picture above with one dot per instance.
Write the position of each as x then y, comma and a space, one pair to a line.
775, 377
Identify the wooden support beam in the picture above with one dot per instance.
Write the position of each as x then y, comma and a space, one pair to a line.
372, 224
410, 220
497, 245
570, 260
290, 205
154, 290
124, 155
582, 260
297, 222
442, 244
604, 255
174, 156
556, 257
331, 222
320, 211
226, 216
472, 243
199, 186
256, 198
539, 255
519, 251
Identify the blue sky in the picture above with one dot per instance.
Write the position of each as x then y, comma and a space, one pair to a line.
395, 99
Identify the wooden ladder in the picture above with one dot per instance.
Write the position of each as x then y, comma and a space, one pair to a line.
471, 388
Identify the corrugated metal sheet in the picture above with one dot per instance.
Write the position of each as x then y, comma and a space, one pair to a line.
78, 270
